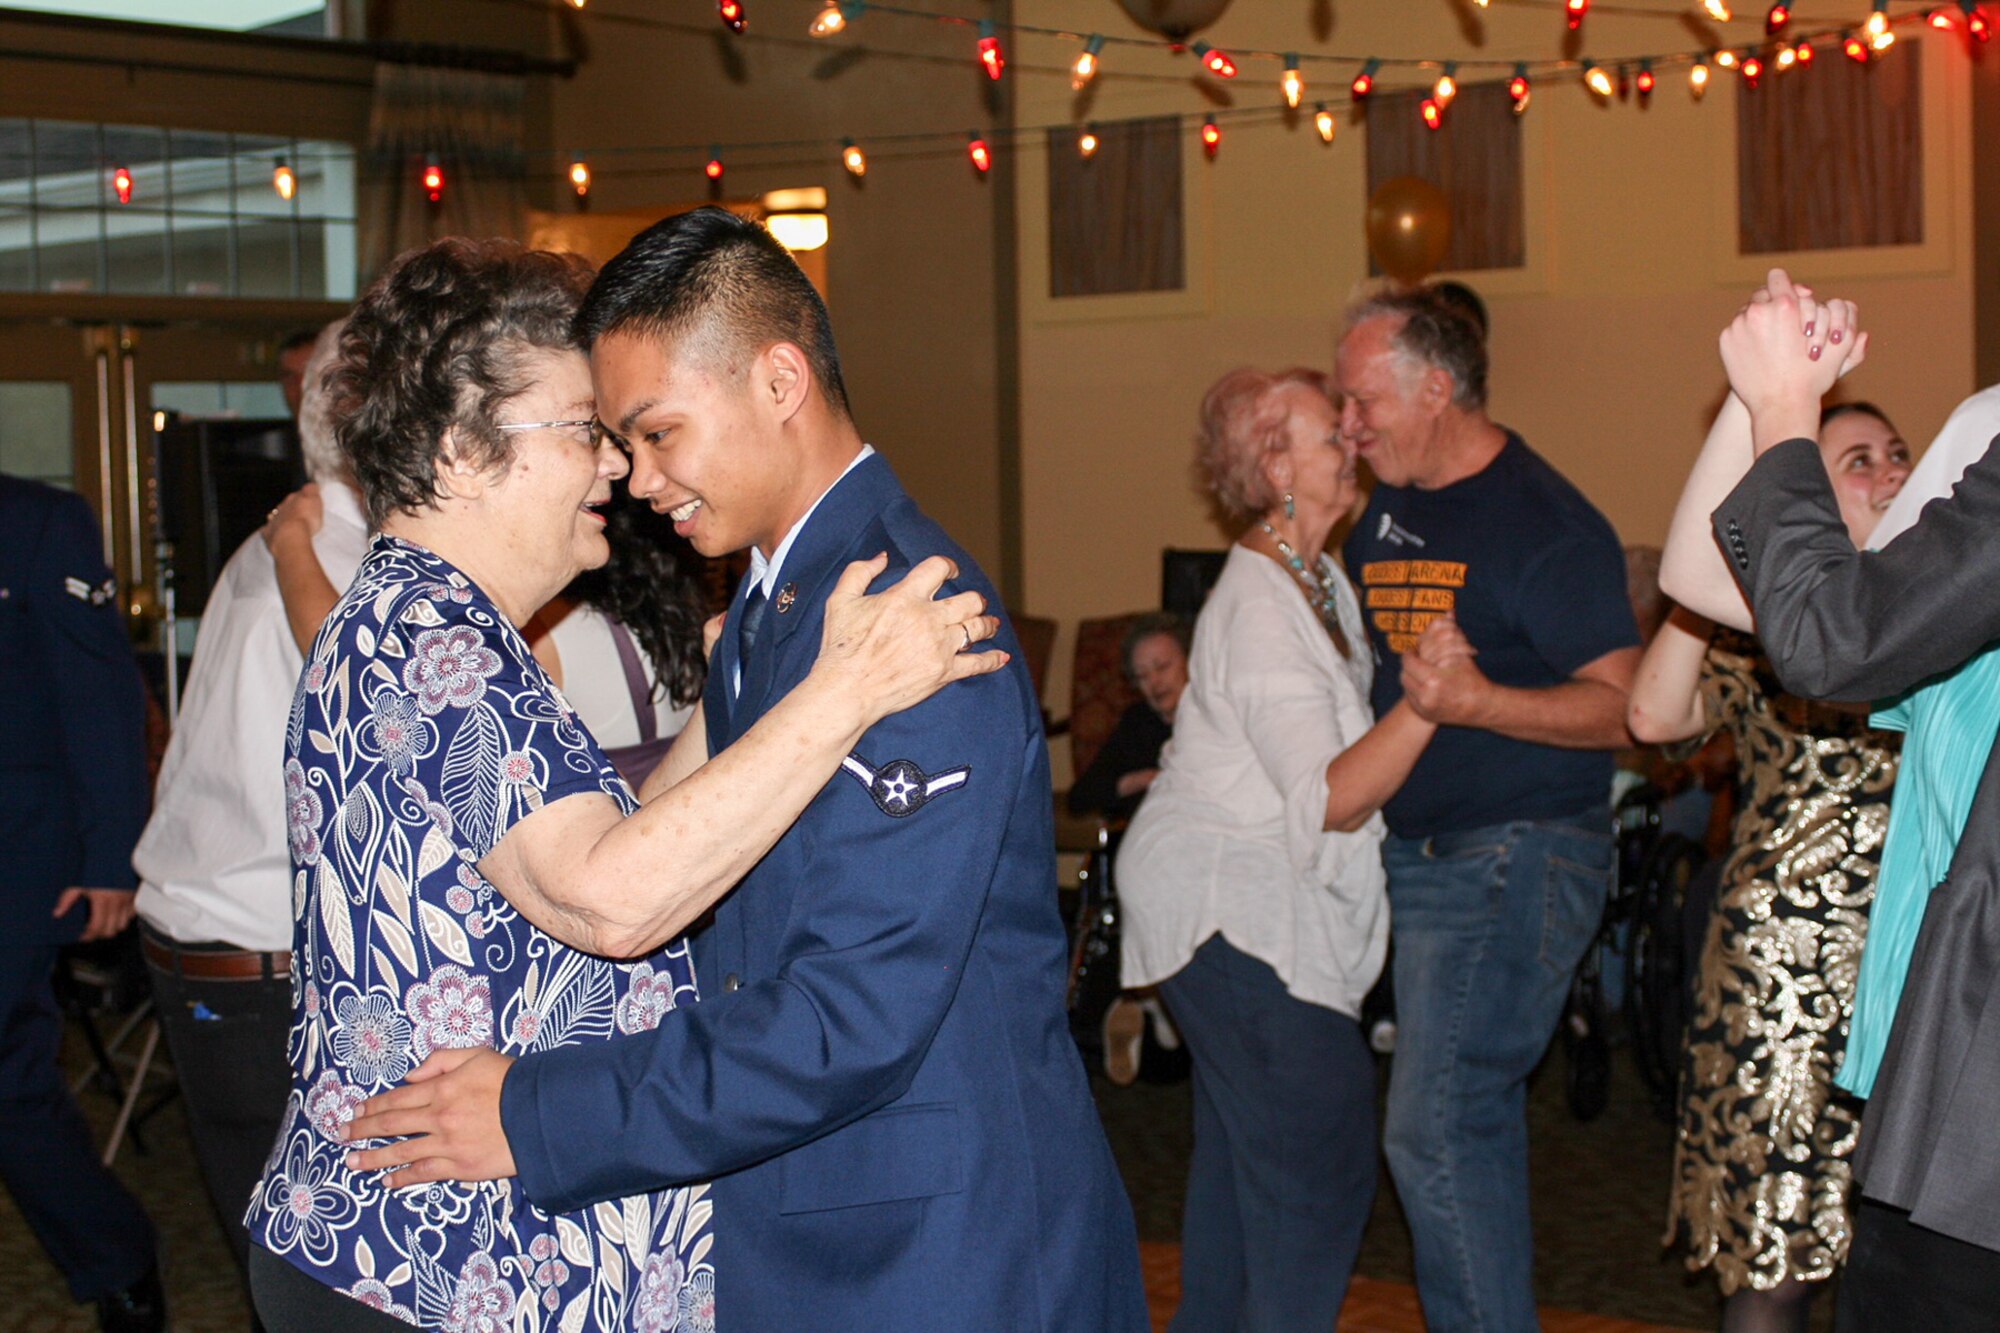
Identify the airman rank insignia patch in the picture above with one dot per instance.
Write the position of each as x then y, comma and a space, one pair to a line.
96, 595
899, 788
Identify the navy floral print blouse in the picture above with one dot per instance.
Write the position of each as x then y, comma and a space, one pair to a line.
421, 731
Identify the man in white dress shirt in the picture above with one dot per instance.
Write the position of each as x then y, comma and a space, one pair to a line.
215, 898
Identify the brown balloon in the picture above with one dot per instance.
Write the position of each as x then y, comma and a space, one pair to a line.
1409, 228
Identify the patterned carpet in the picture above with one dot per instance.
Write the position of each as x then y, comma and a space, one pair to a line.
1599, 1201
1599, 1208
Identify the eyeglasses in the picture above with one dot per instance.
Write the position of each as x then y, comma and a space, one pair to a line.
588, 433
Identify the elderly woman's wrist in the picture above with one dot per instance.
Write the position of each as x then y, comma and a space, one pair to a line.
837, 697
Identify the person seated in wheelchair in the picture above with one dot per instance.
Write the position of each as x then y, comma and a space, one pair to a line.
1155, 657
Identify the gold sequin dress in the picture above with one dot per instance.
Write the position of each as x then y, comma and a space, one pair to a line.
1762, 1165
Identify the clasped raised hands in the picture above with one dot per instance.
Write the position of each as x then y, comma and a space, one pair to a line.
1784, 351
1440, 679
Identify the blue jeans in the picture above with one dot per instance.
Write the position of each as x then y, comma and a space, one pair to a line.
1283, 1170
1489, 924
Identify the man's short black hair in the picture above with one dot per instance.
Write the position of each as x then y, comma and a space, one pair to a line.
1466, 302
720, 280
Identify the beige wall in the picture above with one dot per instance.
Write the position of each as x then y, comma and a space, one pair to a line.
1603, 352
910, 267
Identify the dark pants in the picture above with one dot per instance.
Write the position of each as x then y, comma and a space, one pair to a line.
289, 1301
228, 1043
1903, 1278
92, 1228
1284, 1165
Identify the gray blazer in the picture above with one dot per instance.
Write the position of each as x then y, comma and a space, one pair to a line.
1842, 624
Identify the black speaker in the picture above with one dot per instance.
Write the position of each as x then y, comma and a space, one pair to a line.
218, 480
1186, 577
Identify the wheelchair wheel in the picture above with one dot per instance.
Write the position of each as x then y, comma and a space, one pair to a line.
1586, 1047
1657, 965
1589, 1076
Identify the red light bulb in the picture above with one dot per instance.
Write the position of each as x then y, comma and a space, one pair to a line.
982, 158
1856, 50
1211, 136
1517, 88
714, 169
1753, 70
1804, 53
732, 15
1775, 21
1645, 82
121, 185
1432, 113
1576, 9
1976, 24
433, 181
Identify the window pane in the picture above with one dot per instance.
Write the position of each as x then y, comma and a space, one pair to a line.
201, 256
327, 257
257, 157
233, 399
264, 258
1835, 160
17, 252
35, 431
204, 216
293, 18
1475, 160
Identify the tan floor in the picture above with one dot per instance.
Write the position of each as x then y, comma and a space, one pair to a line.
1372, 1307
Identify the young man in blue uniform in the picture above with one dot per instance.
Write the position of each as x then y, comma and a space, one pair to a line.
73, 797
879, 1080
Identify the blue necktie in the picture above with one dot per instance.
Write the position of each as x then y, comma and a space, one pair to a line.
754, 607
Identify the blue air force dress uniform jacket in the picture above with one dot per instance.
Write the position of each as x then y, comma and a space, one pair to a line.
73, 797
879, 1078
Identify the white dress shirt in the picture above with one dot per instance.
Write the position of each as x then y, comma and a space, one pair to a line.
1230, 837
1964, 440
213, 862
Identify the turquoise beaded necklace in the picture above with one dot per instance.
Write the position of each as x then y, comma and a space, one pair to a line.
1319, 588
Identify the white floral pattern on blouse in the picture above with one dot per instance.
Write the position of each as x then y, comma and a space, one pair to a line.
422, 729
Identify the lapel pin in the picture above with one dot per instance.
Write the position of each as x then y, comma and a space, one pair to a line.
786, 596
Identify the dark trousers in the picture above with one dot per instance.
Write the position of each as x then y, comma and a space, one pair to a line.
1903, 1278
289, 1301
91, 1226
228, 1040
1284, 1165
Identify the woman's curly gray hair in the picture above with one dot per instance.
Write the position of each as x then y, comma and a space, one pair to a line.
1243, 419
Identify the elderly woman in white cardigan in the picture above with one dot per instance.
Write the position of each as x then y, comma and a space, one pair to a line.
1252, 876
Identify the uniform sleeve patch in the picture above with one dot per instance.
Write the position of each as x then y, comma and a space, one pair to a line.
899, 788
97, 594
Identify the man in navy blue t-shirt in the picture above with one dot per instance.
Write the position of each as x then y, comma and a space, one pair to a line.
1499, 853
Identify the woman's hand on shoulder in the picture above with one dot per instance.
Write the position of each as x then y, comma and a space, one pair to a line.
892, 650
298, 516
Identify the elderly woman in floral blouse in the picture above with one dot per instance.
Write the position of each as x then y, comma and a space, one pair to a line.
466, 863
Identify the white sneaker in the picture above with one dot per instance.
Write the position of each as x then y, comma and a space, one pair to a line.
1382, 1036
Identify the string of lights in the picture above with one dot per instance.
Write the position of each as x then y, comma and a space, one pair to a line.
1782, 47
